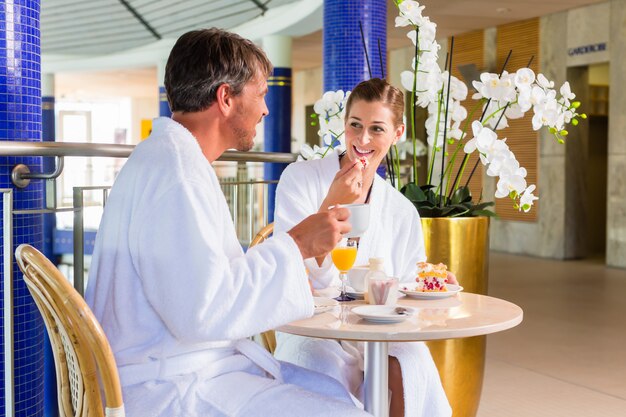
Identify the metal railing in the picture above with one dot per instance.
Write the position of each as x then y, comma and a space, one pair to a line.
241, 193
62, 149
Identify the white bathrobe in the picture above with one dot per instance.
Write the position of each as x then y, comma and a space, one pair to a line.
395, 234
177, 297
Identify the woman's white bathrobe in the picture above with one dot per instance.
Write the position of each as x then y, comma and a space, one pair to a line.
177, 297
395, 234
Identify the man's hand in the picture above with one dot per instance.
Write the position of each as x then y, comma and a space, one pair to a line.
347, 186
319, 233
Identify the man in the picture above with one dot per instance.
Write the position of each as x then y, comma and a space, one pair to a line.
169, 281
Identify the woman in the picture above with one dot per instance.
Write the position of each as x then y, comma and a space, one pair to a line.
373, 123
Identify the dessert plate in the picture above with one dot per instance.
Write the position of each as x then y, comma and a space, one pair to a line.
323, 304
382, 314
409, 290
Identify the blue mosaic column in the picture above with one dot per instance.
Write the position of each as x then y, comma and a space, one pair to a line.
277, 124
20, 120
48, 134
164, 107
345, 64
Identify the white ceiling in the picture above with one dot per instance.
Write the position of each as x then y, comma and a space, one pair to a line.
97, 27
453, 17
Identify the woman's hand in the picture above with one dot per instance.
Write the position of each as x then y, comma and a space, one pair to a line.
452, 278
347, 186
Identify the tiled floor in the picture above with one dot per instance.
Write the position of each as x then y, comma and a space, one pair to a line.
568, 357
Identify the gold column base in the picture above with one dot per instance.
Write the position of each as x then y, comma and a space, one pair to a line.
463, 245
461, 365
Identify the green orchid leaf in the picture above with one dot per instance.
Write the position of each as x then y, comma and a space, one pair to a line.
461, 195
461, 214
486, 213
483, 206
435, 211
413, 193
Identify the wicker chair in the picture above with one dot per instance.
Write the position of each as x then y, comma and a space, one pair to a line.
82, 354
266, 339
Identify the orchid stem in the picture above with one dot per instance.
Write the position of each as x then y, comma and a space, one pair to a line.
445, 123
413, 138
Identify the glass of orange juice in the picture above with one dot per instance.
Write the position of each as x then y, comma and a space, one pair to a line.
343, 257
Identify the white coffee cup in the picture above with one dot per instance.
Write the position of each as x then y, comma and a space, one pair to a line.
356, 277
359, 219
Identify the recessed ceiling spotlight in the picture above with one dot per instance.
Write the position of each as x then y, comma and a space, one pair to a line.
503, 10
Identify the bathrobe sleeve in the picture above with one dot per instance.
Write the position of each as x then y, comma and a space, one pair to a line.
296, 199
200, 292
409, 243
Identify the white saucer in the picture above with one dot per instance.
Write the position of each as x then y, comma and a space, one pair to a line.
409, 290
382, 314
323, 304
357, 295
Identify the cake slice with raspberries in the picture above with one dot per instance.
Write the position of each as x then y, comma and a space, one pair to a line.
431, 277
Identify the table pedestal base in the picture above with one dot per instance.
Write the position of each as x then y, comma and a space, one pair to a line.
376, 378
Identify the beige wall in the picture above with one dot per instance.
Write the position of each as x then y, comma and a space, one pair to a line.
307, 89
562, 168
616, 204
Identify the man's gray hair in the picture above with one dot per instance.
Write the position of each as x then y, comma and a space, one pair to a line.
203, 60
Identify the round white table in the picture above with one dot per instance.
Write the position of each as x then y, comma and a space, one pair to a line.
462, 315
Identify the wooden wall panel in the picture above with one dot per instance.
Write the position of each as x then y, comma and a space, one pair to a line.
468, 49
523, 39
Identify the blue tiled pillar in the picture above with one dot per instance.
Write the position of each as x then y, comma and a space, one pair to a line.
344, 59
277, 125
164, 107
48, 134
20, 120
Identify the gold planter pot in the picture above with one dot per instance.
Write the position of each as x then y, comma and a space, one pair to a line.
463, 245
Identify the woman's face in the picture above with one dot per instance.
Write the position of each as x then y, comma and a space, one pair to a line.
370, 131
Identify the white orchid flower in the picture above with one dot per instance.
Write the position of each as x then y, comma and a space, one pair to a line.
458, 89
524, 77
454, 131
527, 198
545, 117
410, 13
482, 140
524, 98
512, 178
407, 78
308, 153
544, 82
458, 113
428, 30
566, 91
507, 185
514, 111
498, 157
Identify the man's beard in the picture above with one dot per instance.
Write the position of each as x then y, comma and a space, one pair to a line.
244, 138
244, 141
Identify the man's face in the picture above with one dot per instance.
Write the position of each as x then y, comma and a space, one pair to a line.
250, 108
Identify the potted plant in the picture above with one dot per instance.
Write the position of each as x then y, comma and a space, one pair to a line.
455, 224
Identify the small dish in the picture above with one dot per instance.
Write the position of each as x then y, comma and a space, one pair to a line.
323, 304
409, 290
382, 314
357, 295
